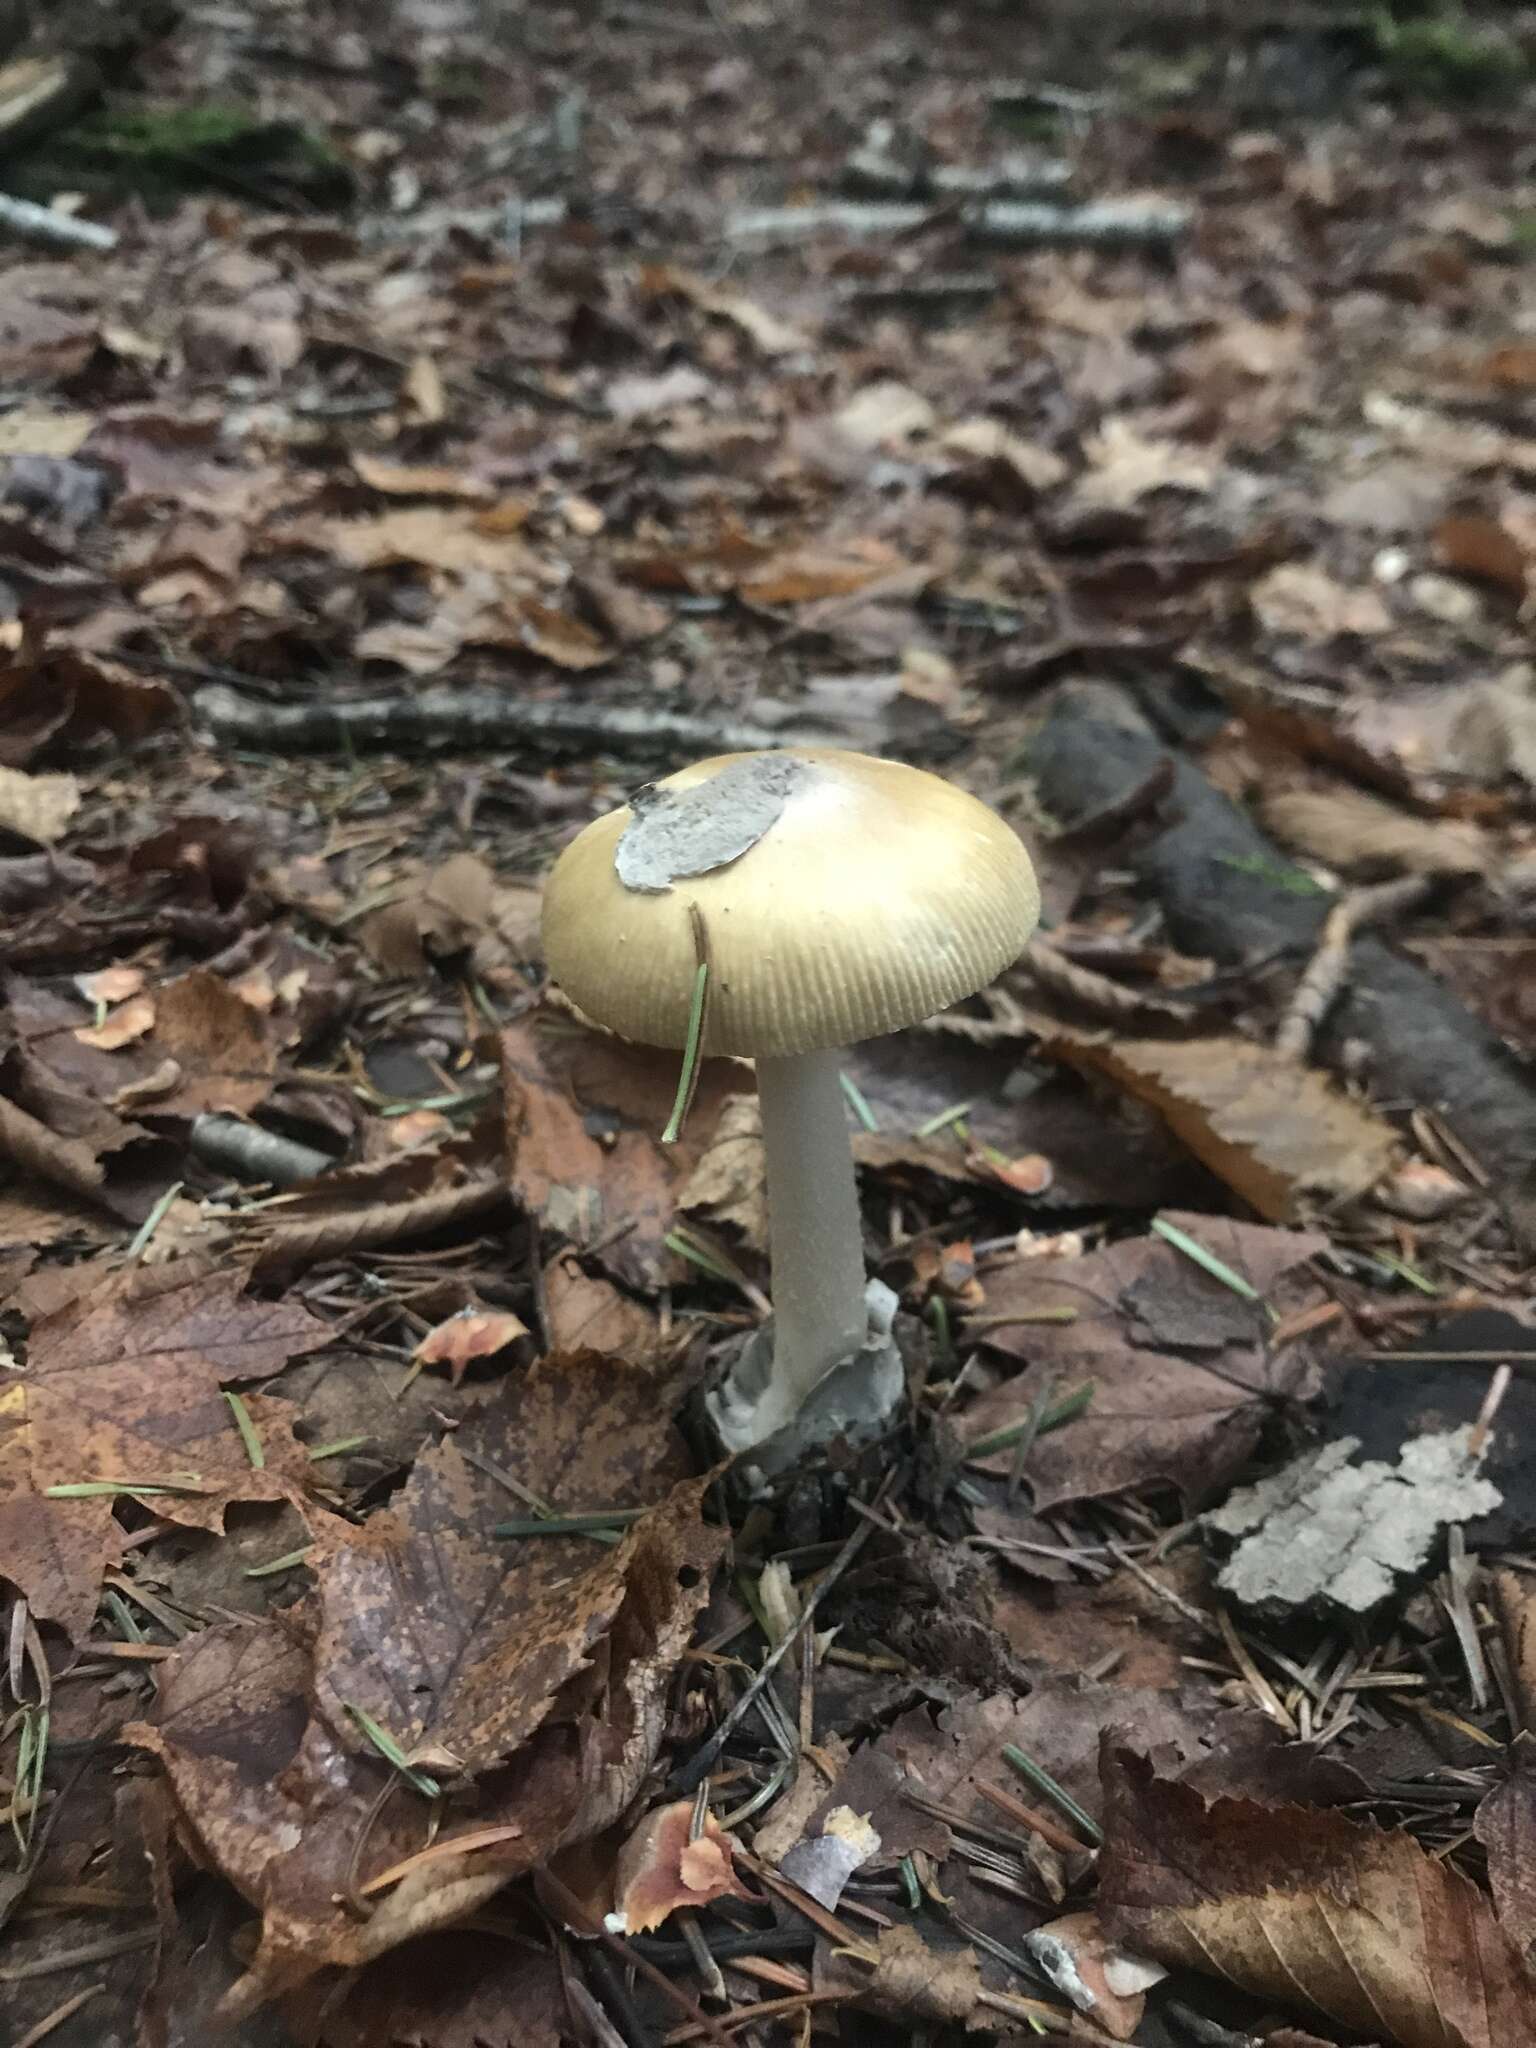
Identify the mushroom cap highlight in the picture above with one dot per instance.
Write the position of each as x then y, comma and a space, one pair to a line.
842, 897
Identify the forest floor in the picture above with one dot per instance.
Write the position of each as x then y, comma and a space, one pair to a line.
419, 427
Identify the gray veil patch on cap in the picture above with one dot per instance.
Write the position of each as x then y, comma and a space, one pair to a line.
678, 832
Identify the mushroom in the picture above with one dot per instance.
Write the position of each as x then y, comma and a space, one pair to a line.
835, 897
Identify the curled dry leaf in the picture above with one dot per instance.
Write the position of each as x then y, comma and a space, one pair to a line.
1322, 1913
662, 1866
468, 1334
1179, 1364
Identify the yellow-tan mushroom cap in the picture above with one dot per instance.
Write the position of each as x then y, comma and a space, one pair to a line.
841, 897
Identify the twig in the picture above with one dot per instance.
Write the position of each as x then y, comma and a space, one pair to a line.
1319, 987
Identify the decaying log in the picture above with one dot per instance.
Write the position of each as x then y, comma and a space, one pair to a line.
1214, 874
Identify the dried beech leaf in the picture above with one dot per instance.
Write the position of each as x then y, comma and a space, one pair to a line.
1349, 829
1275, 1132
1307, 1907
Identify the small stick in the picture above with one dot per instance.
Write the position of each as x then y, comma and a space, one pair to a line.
1319, 987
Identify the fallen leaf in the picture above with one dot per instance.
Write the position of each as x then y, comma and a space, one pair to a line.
129, 1021
916, 1986
1505, 1824
729, 1184
37, 807
220, 1044
985, 440
286, 1805
443, 537
639, 395
453, 1990
583, 1114
1493, 729
1351, 830
1180, 1367
558, 638
1301, 599
110, 984
424, 392
1274, 1131
123, 1382
33, 431
586, 1313
448, 1634
1309, 1908
1126, 465
807, 574
1500, 551
882, 413
419, 479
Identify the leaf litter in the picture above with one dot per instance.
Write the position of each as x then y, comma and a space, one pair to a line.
352, 1303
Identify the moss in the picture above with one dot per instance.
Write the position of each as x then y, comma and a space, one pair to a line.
1448, 55
164, 132
161, 153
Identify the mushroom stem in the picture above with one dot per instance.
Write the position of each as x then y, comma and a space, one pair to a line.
819, 1311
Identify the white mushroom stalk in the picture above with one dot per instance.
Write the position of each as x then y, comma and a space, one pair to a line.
840, 897
819, 1313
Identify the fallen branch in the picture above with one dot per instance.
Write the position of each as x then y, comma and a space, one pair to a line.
1012, 223
453, 716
